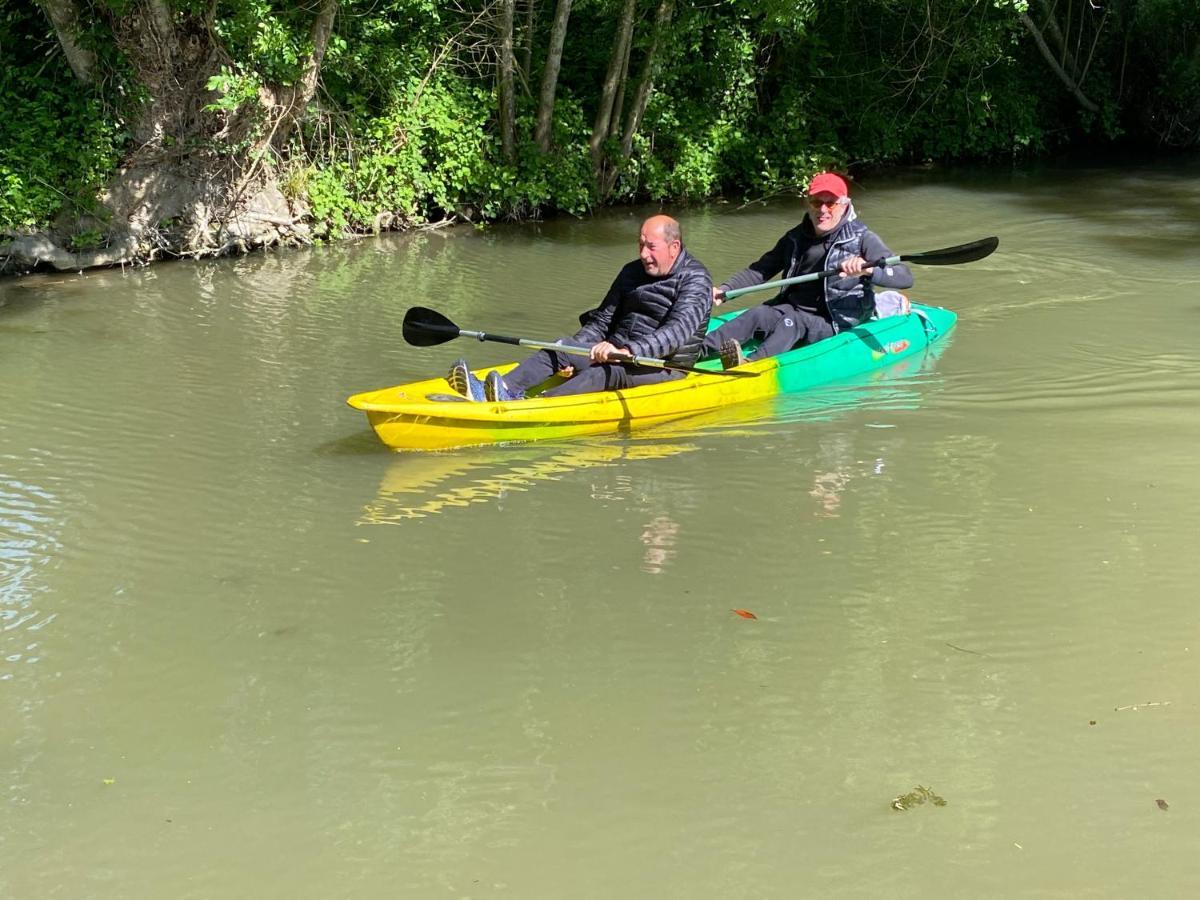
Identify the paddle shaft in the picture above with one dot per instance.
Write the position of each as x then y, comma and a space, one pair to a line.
963, 253
800, 279
647, 361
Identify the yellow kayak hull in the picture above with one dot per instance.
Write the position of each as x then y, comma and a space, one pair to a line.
426, 415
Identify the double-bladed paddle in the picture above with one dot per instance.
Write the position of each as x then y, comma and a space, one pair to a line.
428, 328
947, 256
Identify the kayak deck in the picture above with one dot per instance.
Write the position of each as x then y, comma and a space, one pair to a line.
427, 415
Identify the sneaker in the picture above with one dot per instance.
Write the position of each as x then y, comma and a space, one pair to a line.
497, 391
731, 354
463, 380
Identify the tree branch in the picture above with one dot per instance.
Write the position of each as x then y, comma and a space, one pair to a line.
1058, 70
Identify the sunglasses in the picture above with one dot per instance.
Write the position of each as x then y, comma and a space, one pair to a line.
817, 202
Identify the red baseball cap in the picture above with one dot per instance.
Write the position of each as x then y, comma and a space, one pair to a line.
828, 182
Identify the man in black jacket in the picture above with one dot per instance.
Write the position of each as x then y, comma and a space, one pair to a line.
829, 237
658, 306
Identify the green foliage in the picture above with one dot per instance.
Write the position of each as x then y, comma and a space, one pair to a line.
233, 88
58, 141
266, 38
88, 239
751, 97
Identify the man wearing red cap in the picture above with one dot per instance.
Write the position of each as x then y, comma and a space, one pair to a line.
829, 237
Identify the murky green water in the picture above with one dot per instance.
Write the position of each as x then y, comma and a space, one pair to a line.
247, 652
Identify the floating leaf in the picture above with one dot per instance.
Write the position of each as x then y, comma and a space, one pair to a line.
745, 614
1162, 804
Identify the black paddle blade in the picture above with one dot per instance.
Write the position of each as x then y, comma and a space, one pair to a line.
427, 328
952, 256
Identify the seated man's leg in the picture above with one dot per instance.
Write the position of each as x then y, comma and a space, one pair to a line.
815, 329
609, 377
540, 366
795, 328
756, 322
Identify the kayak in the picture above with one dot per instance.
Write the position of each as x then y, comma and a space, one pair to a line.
428, 415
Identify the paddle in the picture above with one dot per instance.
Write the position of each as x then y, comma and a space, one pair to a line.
947, 256
428, 328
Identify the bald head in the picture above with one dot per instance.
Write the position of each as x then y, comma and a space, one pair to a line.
659, 244
666, 226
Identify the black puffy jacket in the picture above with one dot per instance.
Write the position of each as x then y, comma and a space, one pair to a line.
663, 316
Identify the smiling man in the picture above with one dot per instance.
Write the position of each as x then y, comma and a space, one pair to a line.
658, 306
829, 237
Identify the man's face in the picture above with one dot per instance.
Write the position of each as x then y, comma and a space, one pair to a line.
826, 211
656, 252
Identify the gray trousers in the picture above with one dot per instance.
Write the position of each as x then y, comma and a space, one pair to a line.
588, 377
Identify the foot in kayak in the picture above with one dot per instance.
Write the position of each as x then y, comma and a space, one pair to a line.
731, 354
496, 391
463, 380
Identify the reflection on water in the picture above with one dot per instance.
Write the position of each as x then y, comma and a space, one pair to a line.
420, 485
659, 536
900, 386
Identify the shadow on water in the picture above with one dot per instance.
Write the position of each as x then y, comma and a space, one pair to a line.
417, 485
361, 443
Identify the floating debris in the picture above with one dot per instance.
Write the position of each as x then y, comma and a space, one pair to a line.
1135, 707
916, 797
963, 649
745, 614
1162, 804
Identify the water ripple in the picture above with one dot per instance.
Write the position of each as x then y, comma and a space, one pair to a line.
28, 512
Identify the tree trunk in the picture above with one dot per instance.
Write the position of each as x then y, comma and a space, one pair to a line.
614, 120
297, 97
64, 16
527, 41
558, 37
608, 91
662, 19
507, 95
641, 96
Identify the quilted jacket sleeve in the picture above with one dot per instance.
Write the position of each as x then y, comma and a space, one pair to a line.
598, 322
898, 275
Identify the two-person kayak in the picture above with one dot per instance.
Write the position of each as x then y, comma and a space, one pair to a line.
426, 415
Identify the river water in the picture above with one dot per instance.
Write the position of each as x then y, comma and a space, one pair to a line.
246, 651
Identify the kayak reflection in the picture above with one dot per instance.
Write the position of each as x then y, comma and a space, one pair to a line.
901, 386
419, 485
